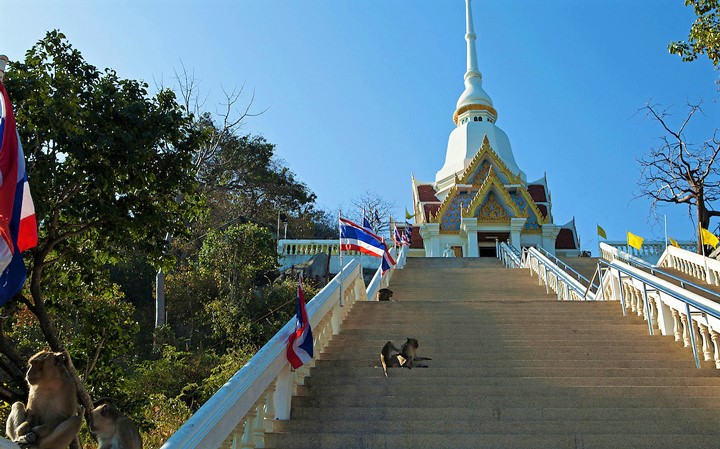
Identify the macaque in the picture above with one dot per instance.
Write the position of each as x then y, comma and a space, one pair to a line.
392, 357
409, 352
50, 420
113, 429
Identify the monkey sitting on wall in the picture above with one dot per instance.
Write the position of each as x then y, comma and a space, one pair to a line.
392, 357
113, 429
50, 420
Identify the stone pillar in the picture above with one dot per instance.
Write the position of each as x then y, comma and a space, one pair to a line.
516, 225
430, 232
469, 228
549, 235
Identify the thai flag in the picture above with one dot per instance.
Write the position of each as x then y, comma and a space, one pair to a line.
408, 232
300, 342
18, 228
366, 224
387, 261
356, 238
396, 235
376, 220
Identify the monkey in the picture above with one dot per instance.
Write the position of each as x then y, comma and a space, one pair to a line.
390, 357
113, 429
409, 352
384, 294
50, 420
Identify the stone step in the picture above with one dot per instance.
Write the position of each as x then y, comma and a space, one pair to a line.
471, 367
598, 399
426, 440
343, 374
537, 389
509, 414
329, 384
439, 425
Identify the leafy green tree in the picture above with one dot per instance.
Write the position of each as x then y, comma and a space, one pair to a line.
106, 161
704, 37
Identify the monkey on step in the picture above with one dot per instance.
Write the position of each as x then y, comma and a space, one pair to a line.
392, 357
113, 429
50, 420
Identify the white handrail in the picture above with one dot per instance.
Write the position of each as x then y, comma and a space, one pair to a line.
508, 257
610, 253
555, 278
244, 408
689, 317
261, 390
692, 264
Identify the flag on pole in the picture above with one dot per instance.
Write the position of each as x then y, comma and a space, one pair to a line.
387, 261
674, 242
18, 227
634, 240
708, 238
396, 235
300, 342
408, 232
407, 214
356, 238
376, 220
601, 232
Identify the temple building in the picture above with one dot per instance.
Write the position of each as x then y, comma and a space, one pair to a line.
480, 194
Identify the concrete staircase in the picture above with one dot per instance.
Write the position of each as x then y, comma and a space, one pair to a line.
511, 368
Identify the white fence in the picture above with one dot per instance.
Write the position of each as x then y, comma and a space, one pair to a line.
295, 252
555, 278
692, 264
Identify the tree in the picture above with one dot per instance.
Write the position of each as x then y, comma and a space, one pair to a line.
106, 161
371, 202
704, 37
680, 172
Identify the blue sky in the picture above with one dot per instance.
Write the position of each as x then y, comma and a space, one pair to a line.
360, 94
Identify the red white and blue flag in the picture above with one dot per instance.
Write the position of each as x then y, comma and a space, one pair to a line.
354, 237
300, 343
18, 228
396, 235
387, 261
408, 232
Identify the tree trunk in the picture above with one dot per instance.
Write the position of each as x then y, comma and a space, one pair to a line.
703, 221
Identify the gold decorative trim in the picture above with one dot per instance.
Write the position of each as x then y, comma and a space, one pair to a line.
474, 107
445, 204
487, 150
490, 181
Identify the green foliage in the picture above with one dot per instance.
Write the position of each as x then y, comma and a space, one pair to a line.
164, 416
704, 37
176, 374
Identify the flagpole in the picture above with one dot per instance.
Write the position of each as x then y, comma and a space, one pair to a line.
3, 63
341, 258
666, 234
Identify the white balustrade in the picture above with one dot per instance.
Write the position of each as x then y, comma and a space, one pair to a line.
690, 318
554, 278
243, 410
691, 264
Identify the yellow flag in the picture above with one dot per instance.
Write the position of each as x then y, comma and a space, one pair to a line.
634, 240
674, 242
601, 232
708, 238
407, 214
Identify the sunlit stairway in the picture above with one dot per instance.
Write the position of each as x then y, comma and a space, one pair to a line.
512, 368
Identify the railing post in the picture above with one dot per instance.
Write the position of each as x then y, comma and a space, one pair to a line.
647, 308
692, 336
282, 396
622, 292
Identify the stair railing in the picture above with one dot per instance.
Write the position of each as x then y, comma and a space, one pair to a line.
243, 409
692, 319
627, 258
555, 278
692, 264
379, 280
564, 266
508, 256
